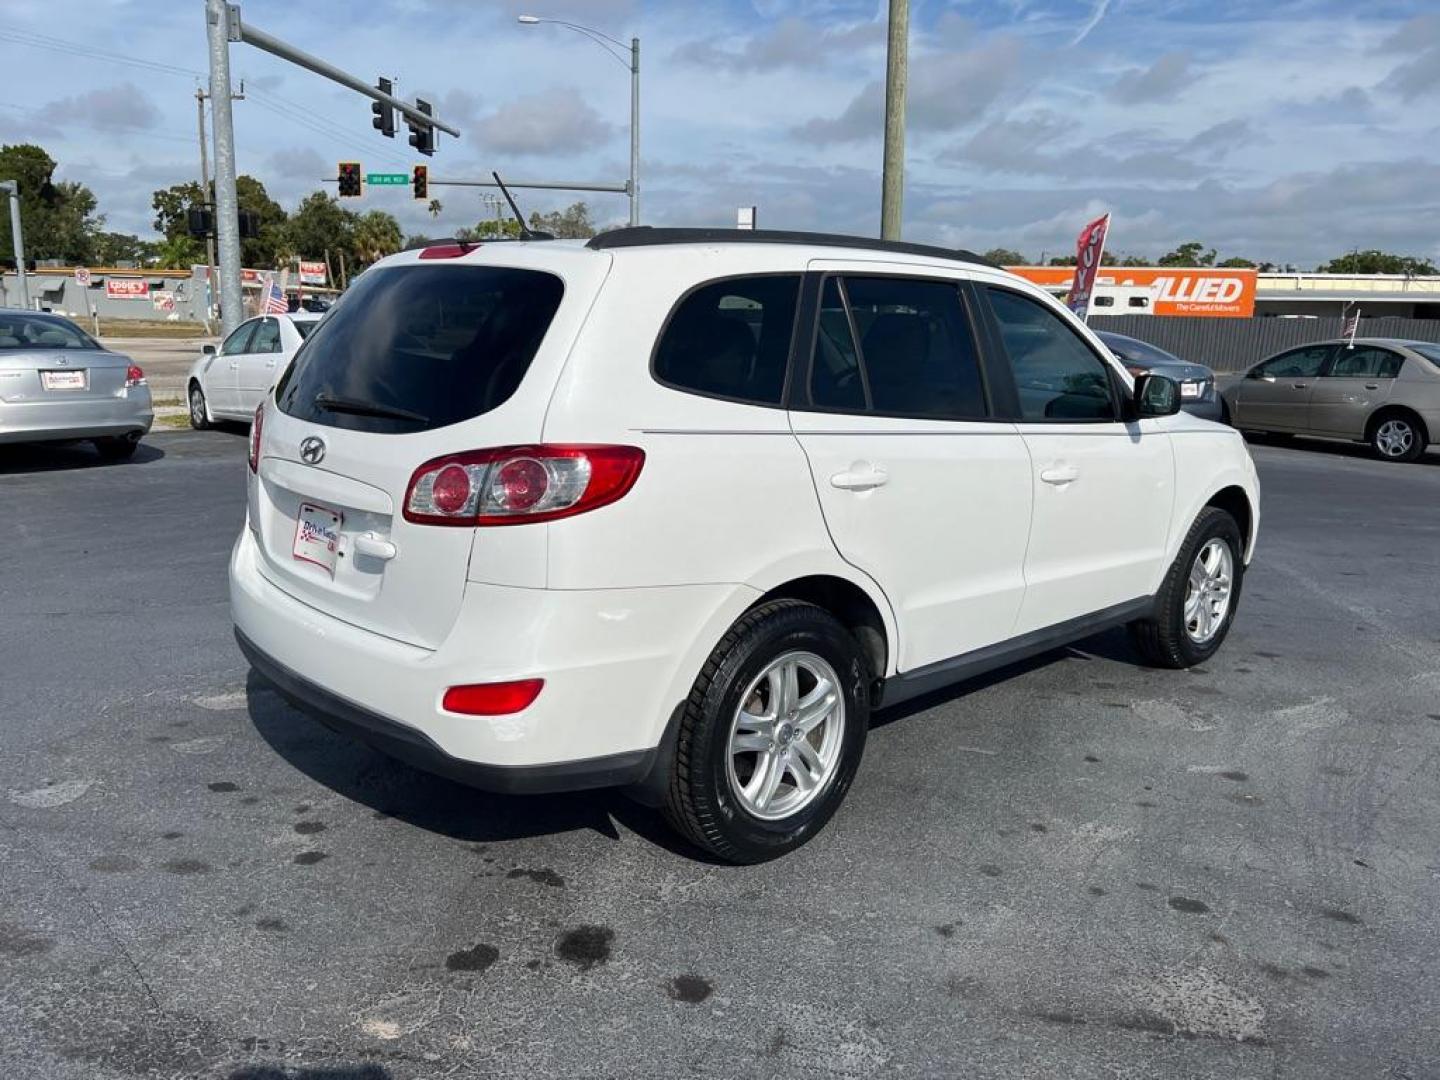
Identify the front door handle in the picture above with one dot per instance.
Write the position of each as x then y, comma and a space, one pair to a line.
1300, 386
1060, 474
860, 477
1372, 386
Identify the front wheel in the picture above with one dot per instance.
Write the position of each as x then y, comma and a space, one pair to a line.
771, 734
199, 412
1397, 438
1196, 602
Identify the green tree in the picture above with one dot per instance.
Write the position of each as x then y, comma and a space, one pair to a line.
376, 235
1061, 260
570, 223
320, 224
506, 228
1134, 260
113, 248
58, 219
1005, 256
415, 240
1237, 262
435, 207
172, 208
1370, 261
1192, 253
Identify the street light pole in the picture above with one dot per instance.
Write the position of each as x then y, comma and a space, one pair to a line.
17, 239
892, 183
610, 45
227, 204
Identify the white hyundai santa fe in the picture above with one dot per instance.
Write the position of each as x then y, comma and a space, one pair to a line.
676, 509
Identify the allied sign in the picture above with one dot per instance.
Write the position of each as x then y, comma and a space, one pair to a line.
387, 179
1205, 291
1089, 247
312, 273
127, 288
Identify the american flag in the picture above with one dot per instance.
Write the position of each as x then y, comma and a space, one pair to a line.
1352, 325
275, 302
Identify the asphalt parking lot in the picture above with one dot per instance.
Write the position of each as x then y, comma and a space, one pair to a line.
1076, 868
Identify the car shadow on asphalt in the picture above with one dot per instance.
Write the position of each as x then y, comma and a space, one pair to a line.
1339, 448
338, 1072
394, 789
20, 458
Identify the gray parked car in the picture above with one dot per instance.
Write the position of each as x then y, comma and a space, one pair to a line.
1383, 391
57, 383
1197, 382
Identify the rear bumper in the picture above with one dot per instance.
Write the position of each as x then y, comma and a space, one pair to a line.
613, 661
40, 421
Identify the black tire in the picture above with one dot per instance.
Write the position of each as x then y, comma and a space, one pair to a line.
199, 416
700, 802
1164, 640
1397, 424
118, 447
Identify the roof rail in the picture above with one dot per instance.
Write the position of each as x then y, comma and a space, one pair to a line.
646, 236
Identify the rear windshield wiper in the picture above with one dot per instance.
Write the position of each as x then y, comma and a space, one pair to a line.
367, 408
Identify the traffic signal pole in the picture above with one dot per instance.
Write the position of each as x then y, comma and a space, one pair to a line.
224, 25
17, 239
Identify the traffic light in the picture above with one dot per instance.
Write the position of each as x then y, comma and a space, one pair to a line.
420, 181
349, 179
384, 115
249, 225
422, 136
200, 221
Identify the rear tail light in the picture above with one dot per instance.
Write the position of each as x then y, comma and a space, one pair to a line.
492, 699
511, 485
257, 426
134, 376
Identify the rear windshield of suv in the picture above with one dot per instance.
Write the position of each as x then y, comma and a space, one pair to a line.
412, 348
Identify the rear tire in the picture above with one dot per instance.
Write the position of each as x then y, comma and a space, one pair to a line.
199, 411
745, 700
119, 447
1397, 436
1190, 620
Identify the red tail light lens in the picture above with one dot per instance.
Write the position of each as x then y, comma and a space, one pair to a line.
492, 699
256, 429
511, 485
134, 376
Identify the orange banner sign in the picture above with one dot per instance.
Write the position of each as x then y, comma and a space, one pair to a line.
1203, 291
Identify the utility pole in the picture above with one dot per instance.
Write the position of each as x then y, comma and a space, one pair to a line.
227, 205
897, 62
208, 195
17, 239
634, 131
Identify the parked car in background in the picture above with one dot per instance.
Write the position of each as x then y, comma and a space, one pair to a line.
674, 509
227, 383
1383, 391
57, 383
1198, 395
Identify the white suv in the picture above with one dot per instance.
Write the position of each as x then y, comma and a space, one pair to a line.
675, 509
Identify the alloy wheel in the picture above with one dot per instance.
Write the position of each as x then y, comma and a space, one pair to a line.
1207, 593
1394, 438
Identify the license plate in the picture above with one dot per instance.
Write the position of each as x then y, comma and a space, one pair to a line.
1191, 389
317, 536
63, 380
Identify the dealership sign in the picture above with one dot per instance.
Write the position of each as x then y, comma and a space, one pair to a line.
127, 288
1202, 291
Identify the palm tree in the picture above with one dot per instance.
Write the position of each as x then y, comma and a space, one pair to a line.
377, 234
435, 208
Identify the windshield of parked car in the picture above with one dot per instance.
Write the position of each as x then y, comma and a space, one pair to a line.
21, 331
1138, 352
1430, 352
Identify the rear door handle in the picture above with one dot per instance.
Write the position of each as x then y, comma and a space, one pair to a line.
1300, 386
1372, 386
1060, 474
860, 478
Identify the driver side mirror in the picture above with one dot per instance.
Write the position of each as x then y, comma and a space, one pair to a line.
1156, 395
207, 350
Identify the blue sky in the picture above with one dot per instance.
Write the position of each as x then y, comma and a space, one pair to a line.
1289, 131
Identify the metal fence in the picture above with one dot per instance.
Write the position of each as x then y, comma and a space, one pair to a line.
1236, 344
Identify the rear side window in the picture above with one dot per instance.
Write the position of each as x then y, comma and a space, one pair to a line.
895, 347
419, 347
1057, 375
731, 339
1366, 362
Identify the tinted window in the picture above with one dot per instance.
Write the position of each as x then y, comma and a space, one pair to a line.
1365, 362
239, 338
304, 326
21, 331
1430, 352
1135, 351
1057, 376
731, 339
1298, 363
836, 381
441, 343
267, 337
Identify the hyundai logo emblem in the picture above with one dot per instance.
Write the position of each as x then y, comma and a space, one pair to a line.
312, 450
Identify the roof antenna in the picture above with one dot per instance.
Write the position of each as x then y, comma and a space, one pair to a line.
526, 233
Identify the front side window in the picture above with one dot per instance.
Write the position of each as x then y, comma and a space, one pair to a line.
1057, 376
731, 339
419, 347
1296, 364
1365, 362
267, 337
239, 338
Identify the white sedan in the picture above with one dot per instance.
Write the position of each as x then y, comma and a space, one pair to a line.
228, 384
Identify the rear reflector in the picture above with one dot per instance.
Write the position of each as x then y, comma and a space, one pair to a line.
492, 699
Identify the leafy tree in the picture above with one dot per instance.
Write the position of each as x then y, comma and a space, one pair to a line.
172, 207
491, 229
1134, 260
58, 219
435, 207
178, 252
1061, 260
1005, 257
1236, 261
320, 224
1372, 261
376, 235
1192, 253
112, 248
570, 223
415, 240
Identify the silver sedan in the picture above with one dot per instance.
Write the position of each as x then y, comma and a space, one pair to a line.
57, 383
